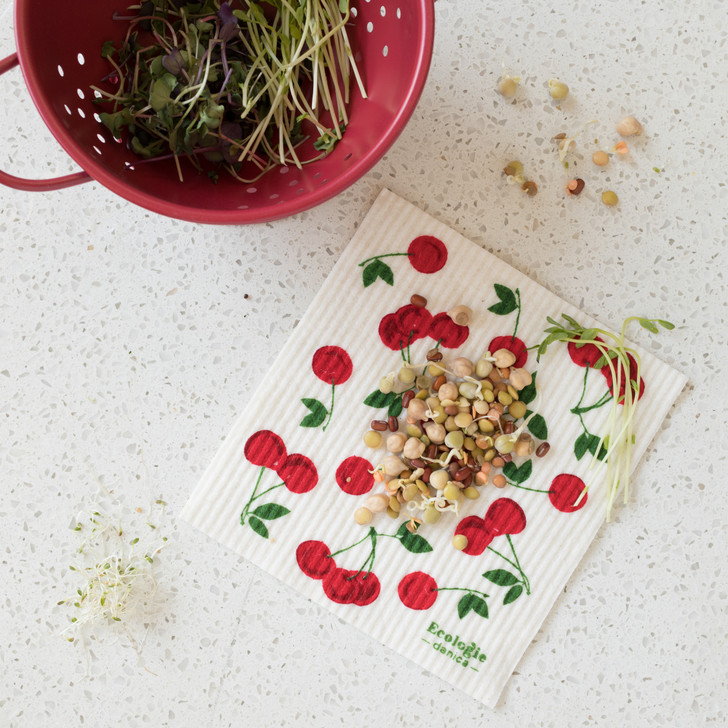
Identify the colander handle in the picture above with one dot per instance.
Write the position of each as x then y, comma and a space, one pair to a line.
36, 185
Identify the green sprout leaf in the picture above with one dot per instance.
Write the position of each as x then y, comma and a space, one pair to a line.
395, 407
379, 399
528, 393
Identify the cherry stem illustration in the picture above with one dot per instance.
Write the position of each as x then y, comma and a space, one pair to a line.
525, 487
377, 257
244, 514
460, 588
331, 409
516, 565
518, 315
579, 410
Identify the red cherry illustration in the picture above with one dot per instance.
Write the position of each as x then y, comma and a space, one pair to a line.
427, 254
417, 590
588, 354
505, 516
265, 448
353, 475
332, 364
565, 490
369, 588
478, 534
390, 332
314, 559
607, 372
447, 332
512, 343
298, 473
340, 586
414, 320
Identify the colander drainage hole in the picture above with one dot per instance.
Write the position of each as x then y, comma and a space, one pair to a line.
383, 11
251, 190
354, 12
101, 138
97, 150
81, 60
399, 14
60, 71
385, 51
81, 113
81, 94
370, 27
68, 111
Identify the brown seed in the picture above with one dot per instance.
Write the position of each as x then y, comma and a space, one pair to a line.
379, 425
508, 426
575, 187
407, 397
418, 301
542, 449
468, 479
425, 477
452, 409
530, 188
498, 462
505, 372
507, 457
393, 423
439, 382
434, 355
431, 452
499, 481
462, 474
481, 478
494, 376
417, 463
452, 468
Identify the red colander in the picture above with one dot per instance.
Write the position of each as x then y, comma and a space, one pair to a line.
58, 50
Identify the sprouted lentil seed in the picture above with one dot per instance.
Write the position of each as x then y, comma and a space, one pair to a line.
460, 427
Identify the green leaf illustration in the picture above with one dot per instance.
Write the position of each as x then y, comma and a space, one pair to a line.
517, 474
271, 511
317, 414
413, 542
501, 577
507, 302
528, 393
258, 526
512, 594
395, 407
581, 445
379, 399
537, 427
377, 269
472, 602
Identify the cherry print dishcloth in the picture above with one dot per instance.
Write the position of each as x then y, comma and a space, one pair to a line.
283, 489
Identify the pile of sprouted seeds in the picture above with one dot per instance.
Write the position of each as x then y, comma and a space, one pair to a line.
240, 84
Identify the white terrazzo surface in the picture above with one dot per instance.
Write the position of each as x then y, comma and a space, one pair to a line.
128, 342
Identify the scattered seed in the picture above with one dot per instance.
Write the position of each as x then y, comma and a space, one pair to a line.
575, 187
418, 301
363, 516
393, 423
499, 481
600, 158
434, 355
407, 398
530, 188
610, 198
629, 126
379, 425
373, 439
558, 89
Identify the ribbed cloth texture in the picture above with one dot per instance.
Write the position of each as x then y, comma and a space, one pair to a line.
346, 314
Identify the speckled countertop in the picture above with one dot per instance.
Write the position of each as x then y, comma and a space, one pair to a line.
128, 343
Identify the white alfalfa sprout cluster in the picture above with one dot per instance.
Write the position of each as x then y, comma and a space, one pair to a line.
117, 573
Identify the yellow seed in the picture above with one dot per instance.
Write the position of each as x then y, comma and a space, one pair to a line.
451, 492
558, 90
413, 431
394, 504
406, 375
460, 541
488, 394
362, 516
471, 493
431, 515
504, 398
486, 426
410, 492
392, 513
373, 439
435, 370
463, 419
600, 158
517, 410
610, 198
512, 391
507, 86
422, 394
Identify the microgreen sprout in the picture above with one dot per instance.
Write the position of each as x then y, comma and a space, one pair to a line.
118, 581
624, 366
238, 84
